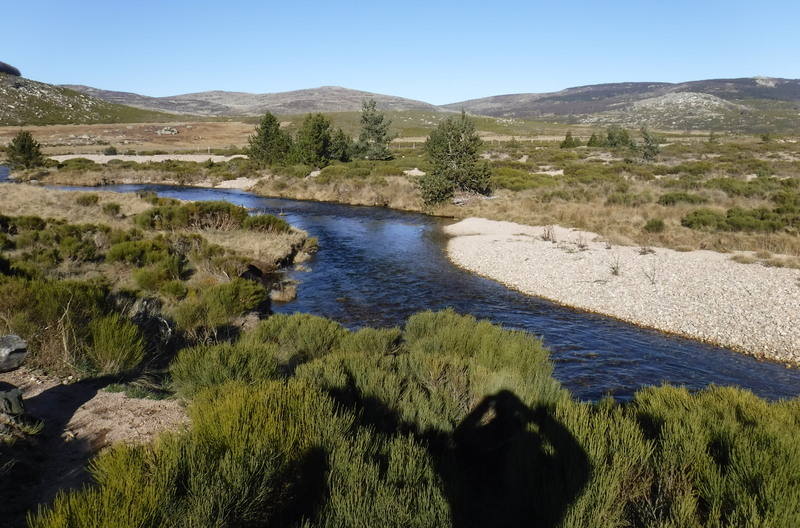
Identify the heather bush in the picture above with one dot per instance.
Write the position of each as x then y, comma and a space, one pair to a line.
87, 199
117, 345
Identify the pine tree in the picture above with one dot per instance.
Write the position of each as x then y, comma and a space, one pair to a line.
649, 148
268, 144
570, 141
24, 152
594, 141
312, 143
454, 151
341, 146
374, 139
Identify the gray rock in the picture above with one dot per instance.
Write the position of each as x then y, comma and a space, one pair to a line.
13, 350
11, 400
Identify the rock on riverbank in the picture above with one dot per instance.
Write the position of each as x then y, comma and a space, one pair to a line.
700, 294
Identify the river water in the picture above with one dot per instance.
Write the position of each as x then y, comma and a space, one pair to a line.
4, 173
376, 267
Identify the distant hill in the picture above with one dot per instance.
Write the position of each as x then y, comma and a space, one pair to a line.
748, 104
26, 102
220, 103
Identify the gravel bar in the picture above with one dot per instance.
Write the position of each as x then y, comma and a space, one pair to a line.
701, 295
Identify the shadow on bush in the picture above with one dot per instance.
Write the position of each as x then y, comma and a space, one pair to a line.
505, 464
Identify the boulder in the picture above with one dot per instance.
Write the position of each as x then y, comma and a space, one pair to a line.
10, 400
13, 350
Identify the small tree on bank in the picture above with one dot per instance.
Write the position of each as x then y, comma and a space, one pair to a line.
24, 152
454, 151
269, 145
373, 141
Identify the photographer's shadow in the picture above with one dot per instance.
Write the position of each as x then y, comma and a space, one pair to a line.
504, 465
509, 465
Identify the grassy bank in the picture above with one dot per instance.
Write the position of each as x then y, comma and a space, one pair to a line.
447, 422
70, 259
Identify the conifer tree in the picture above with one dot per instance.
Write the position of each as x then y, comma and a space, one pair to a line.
269, 145
312, 143
454, 151
24, 152
374, 139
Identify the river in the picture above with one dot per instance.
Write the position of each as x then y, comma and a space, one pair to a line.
376, 267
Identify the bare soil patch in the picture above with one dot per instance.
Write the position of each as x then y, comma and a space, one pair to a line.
80, 420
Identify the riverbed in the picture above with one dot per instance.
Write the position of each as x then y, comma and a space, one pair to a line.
377, 266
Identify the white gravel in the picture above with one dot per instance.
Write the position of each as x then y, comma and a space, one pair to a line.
700, 294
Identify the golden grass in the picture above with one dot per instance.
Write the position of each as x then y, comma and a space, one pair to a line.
398, 192
23, 200
270, 248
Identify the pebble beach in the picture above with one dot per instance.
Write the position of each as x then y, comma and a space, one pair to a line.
701, 295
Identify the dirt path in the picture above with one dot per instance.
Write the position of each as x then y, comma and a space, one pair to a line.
80, 420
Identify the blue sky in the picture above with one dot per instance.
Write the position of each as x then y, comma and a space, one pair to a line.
439, 52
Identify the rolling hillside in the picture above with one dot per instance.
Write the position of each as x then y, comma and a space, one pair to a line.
757, 104
26, 102
220, 103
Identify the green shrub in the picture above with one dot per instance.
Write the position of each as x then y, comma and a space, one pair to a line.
79, 165
300, 337
203, 315
681, 197
266, 223
454, 422
117, 345
200, 367
176, 289
654, 225
193, 215
703, 218
138, 252
53, 317
112, 209
88, 199
518, 180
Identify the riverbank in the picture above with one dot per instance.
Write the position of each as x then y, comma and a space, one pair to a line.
701, 295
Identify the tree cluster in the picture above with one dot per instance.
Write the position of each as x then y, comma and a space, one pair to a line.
619, 138
453, 149
316, 143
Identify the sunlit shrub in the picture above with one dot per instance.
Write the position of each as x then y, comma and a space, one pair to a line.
117, 344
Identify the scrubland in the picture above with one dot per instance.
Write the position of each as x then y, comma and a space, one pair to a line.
448, 421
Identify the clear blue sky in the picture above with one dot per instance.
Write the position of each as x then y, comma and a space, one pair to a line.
439, 52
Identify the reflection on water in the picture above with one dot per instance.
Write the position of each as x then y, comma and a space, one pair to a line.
4, 172
376, 267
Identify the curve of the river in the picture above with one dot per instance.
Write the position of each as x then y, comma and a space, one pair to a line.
376, 267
